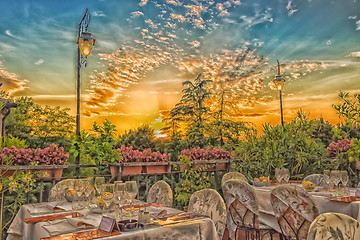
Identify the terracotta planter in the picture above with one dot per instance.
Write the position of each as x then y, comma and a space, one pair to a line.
131, 170
114, 170
357, 164
184, 167
46, 174
157, 169
224, 166
8, 173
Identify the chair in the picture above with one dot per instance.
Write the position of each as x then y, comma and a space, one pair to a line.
334, 226
160, 193
294, 209
210, 203
232, 175
318, 179
243, 211
57, 192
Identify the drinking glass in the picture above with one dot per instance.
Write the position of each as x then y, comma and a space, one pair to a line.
77, 204
99, 183
107, 195
328, 179
286, 175
120, 197
131, 191
336, 178
344, 179
89, 190
278, 175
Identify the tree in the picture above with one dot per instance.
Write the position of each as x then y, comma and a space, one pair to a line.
39, 126
140, 138
349, 108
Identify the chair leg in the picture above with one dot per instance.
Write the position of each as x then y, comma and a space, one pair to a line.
226, 235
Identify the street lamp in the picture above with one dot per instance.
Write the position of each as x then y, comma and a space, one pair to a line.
279, 84
85, 44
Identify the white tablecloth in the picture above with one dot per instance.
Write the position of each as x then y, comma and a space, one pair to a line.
321, 199
203, 228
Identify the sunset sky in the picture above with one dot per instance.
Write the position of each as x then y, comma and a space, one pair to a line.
145, 49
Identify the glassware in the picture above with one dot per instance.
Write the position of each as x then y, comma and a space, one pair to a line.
336, 178
78, 204
278, 175
328, 179
89, 190
344, 179
131, 190
107, 195
120, 197
99, 182
286, 175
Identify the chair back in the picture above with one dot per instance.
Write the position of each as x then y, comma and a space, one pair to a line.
320, 180
160, 193
334, 226
210, 203
232, 175
294, 209
242, 205
57, 192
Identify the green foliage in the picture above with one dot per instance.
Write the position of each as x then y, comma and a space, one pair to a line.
291, 147
190, 181
39, 126
140, 138
13, 141
349, 108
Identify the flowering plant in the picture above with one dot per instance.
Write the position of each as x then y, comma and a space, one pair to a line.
198, 154
52, 155
340, 146
128, 154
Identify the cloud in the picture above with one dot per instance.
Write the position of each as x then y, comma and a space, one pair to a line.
357, 25
174, 2
178, 17
98, 14
143, 2
195, 44
137, 13
11, 82
354, 54
7, 32
38, 62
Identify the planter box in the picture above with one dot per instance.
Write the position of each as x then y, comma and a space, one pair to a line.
8, 173
46, 174
127, 170
156, 169
208, 166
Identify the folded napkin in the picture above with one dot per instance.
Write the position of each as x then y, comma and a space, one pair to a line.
71, 225
49, 208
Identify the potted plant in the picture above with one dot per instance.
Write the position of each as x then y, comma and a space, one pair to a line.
127, 155
202, 156
156, 157
49, 156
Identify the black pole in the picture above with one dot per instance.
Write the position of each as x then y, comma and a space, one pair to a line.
83, 25
281, 110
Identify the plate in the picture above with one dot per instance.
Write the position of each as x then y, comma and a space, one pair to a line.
85, 235
260, 184
52, 217
345, 199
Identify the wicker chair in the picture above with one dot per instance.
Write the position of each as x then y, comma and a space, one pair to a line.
232, 175
210, 203
318, 179
334, 226
57, 192
160, 193
294, 209
243, 211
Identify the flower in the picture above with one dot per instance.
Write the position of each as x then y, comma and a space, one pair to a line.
130, 155
198, 154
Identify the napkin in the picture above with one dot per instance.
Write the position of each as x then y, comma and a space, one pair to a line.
70, 225
49, 208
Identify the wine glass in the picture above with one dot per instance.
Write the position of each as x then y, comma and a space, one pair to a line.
107, 195
131, 190
120, 196
79, 188
278, 175
286, 175
336, 178
344, 179
327, 179
89, 189
99, 183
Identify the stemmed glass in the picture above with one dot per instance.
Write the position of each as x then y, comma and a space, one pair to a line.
107, 195
99, 183
286, 175
336, 178
131, 190
278, 175
344, 179
120, 196
79, 188
328, 178
89, 189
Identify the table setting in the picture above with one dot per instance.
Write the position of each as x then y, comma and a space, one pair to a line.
101, 210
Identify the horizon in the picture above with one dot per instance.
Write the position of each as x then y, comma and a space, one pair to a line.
145, 49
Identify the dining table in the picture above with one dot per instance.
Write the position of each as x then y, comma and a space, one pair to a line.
41, 221
326, 201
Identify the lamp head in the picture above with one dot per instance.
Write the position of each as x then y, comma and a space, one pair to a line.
86, 42
279, 82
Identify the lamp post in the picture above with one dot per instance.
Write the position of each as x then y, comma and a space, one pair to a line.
279, 84
85, 43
